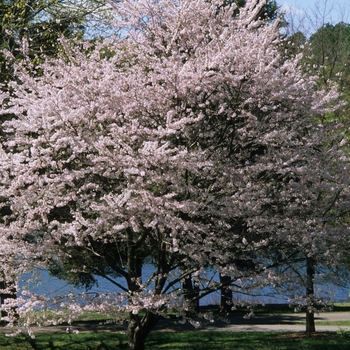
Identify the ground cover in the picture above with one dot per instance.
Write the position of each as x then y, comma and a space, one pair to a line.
274, 309
109, 338
341, 307
183, 341
236, 316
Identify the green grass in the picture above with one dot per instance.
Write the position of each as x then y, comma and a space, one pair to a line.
259, 310
270, 309
332, 323
203, 340
93, 341
183, 341
342, 307
247, 341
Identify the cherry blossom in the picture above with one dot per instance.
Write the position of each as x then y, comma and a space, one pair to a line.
186, 142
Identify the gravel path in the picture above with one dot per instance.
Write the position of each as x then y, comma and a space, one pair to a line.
279, 323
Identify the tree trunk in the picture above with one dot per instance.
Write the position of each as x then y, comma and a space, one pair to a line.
310, 322
225, 294
310, 314
191, 293
139, 328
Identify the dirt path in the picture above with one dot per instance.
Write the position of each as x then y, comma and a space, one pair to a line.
278, 323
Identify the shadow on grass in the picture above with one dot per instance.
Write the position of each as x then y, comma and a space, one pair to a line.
182, 341
100, 341
246, 341
271, 309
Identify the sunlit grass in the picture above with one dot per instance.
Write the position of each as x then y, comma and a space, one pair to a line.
91, 341
333, 323
203, 340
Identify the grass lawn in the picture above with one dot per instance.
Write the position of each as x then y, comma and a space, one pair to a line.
196, 340
332, 323
183, 341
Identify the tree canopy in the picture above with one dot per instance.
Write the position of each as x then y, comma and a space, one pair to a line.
192, 147
38, 25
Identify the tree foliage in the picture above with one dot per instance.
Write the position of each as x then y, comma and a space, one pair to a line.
268, 11
37, 26
328, 56
328, 53
325, 56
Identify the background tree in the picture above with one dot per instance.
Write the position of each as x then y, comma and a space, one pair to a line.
39, 24
328, 53
325, 47
268, 11
325, 55
308, 247
158, 151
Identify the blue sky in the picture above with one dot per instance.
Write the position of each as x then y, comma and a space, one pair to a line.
307, 5
311, 14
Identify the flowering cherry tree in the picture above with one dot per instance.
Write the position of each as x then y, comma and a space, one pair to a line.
156, 147
300, 214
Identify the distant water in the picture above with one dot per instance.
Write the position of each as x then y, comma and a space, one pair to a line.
49, 285
44, 283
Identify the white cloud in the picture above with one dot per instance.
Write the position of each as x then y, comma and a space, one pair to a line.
289, 9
